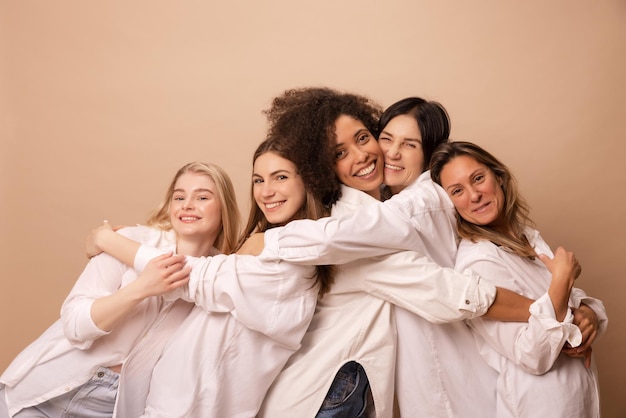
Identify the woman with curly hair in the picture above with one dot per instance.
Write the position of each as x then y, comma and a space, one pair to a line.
347, 361
251, 314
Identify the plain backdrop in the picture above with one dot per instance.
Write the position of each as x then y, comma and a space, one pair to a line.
101, 102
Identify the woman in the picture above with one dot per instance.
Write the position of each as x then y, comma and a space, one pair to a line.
534, 377
115, 323
351, 340
250, 314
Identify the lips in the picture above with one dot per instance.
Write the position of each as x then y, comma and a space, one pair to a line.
481, 208
393, 167
188, 218
273, 205
367, 170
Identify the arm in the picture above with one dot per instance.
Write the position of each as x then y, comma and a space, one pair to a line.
162, 275
420, 218
105, 239
534, 346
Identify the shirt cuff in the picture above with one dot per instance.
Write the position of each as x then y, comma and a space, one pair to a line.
144, 255
480, 294
543, 310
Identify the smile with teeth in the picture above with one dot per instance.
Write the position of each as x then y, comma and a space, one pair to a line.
393, 167
188, 218
273, 204
367, 170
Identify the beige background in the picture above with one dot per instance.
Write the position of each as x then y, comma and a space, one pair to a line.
100, 102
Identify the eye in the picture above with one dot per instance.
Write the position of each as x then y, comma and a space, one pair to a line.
281, 177
410, 145
384, 139
479, 178
362, 139
455, 192
257, 180
339, 154
178, 197
203, 197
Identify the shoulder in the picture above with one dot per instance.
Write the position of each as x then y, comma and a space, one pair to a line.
470, 251
351, 199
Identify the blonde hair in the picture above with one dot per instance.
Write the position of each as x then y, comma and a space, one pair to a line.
516, 210
226, 240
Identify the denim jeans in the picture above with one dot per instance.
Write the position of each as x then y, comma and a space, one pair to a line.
348, 394
94, 399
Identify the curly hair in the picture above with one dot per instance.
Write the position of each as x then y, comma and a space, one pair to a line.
308, 116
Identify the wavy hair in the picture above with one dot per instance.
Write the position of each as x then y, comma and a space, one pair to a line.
516, 210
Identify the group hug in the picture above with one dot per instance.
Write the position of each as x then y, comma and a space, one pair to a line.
384, 270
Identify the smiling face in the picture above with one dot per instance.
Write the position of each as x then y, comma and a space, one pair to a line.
195, 208
401, 142
474, 189
277, 188
359, 160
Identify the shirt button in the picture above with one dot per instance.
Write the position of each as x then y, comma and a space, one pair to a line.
467, 302
100, 374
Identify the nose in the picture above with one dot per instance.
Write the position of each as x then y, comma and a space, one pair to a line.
361, 155
393, 151
475, 195
188, 204
267, 190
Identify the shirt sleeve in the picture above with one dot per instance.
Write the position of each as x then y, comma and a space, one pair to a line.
273, 298
533, 346
416, 220
578, 297
414, 282
101, 277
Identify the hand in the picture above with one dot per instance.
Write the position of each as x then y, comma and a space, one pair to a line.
163, 274
564, 265
587, 321
92, 247
253, 245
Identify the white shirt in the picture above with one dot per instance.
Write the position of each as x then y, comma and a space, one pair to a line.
250, 317
534, 378
355, 321
68, 353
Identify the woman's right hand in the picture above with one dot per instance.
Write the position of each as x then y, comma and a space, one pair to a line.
565, 269
163, 274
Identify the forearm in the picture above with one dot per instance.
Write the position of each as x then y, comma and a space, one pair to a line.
108, 311
509, 307
118, 246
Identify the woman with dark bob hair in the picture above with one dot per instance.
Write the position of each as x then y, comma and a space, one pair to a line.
534, 377
346, 365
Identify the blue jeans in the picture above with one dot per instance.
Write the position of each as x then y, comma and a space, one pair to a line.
94, 399
348, 394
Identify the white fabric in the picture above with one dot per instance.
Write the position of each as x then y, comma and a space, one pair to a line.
355, 321
534, 378
68, 353
251, 316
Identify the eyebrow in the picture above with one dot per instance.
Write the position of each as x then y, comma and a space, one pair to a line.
406, 139
195, 190
273, 173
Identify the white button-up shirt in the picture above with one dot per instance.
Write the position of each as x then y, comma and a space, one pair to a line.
534, 379
68, 353
355, 321
250, 318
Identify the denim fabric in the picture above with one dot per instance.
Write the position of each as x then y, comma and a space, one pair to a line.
94, 399
348, 394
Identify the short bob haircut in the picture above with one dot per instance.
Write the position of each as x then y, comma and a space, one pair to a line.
228, 235
516, 209
432, 120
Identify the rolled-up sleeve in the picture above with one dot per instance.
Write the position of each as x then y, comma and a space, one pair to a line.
414, 282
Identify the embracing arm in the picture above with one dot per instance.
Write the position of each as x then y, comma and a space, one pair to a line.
105, 239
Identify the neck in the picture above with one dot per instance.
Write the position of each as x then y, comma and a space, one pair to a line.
194, 248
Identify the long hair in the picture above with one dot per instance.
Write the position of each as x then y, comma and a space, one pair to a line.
226, 239
432, 120
316, 183
516, 210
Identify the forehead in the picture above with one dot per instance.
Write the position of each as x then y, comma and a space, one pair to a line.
271, 162
460, 168
403, 125
347, 126
191, 181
